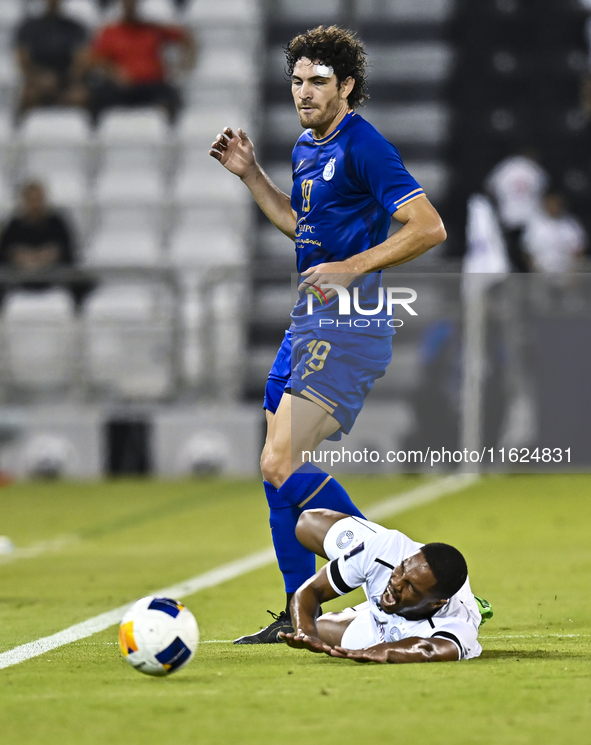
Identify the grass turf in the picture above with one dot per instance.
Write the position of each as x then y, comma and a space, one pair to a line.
526, 539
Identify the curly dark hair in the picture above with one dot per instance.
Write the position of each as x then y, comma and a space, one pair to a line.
337, 47
448, 567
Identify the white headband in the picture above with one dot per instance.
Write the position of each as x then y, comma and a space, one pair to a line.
323, 71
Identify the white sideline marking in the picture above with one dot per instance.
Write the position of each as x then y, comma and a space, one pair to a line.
43, 547
112, 617
536, 636
216, 641
421, 495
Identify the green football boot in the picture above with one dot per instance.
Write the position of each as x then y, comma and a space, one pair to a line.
485, 609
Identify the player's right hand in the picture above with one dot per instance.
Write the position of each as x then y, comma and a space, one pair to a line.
303, 641
235, 151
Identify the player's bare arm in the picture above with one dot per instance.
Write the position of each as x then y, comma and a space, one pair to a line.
413, 649
304, 611
422, 229
235, 151
305, 607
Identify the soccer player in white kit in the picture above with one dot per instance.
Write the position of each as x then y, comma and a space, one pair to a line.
420, 607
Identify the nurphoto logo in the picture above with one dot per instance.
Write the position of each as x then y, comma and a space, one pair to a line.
390, 295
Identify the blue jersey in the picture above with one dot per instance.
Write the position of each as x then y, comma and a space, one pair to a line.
346, 187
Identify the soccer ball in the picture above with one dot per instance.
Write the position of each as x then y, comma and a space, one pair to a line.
158, 635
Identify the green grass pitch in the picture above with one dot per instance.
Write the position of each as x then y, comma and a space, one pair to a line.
527, 540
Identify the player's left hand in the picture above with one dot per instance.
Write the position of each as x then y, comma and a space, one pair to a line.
303, 641
332, 273
371, 654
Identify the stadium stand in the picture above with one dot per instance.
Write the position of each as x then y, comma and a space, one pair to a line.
192, 283
144, 195
516, 84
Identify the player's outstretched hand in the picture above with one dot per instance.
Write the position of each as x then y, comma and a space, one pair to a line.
332, 273
371, 654
303, 641
235, 151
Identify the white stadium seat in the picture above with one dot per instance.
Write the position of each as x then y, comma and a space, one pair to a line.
7, 149
83, 11
434, 11
9, 76
218, 66
11, 12
127, 218
234, 11
124, 248
133, 128
133, 139
308, 10
201, 93
6, 198
67, 189
198, 128
55, 127
161, 11
142, 158
212, 217
39, 339
43, 161
6, 129
52, 142
118, 187
121, 302
128, 336
197, 248
201, 180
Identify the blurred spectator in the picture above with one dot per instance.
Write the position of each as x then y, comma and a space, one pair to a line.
51, 52
130, 56
554, 241
516, 185
37, 238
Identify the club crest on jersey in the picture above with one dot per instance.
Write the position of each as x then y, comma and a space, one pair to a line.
345, 538
329, 169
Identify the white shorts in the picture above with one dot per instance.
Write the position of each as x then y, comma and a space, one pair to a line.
348, 533
363, 631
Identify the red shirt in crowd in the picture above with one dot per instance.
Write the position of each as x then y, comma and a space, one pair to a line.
136, 48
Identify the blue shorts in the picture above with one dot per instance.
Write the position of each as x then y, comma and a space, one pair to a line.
335, 369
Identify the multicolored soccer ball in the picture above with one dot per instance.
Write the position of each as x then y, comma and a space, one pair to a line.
158, 635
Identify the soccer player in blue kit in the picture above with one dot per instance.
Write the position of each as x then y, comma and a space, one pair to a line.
348, 181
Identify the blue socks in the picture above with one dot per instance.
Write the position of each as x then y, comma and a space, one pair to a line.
306, 489
296, 563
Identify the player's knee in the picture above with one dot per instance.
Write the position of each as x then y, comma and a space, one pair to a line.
311, 529
274, 469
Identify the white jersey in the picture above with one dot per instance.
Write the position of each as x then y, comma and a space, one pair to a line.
517, 184
371, 563
554, 242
